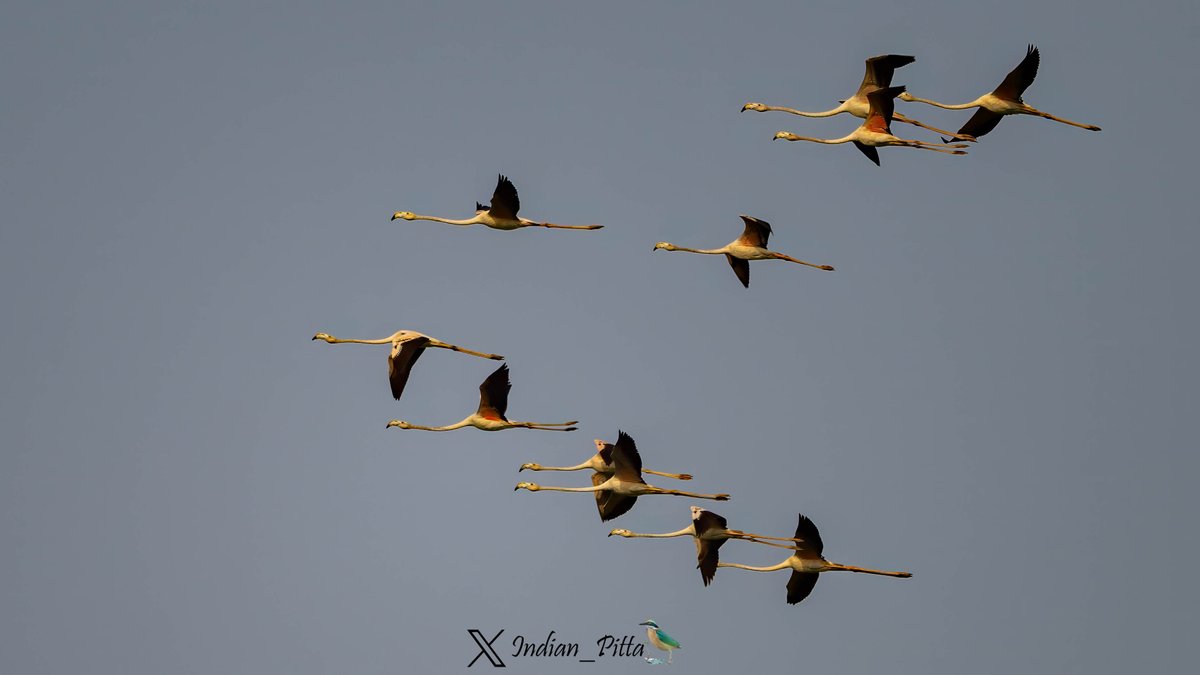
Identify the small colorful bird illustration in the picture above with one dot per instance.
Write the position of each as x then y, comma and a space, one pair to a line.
659, 638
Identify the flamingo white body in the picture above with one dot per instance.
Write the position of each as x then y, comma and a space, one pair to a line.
501, 215
486, 424
876, 131
752, 245
1003, 100
751, 252
490, 416
878, 75
617, 493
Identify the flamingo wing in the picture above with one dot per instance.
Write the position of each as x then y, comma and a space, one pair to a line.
609, 503
1017, 81
879, 119
706, 521
400, 363
505, 202
800, 585
870, 151
605, 453
626, 460
756, 233
981, 122
741, 268
879, 70
811, 544
707, 558
493, 394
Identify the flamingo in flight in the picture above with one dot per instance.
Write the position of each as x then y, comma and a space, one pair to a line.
601, 462
876, 131
407, 347
624, 486
878, 76
501, 215
1003, 100
806, 563
493, 402
608, 504
752, 245
710, 532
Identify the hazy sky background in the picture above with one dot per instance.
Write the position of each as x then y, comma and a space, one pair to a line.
995, 390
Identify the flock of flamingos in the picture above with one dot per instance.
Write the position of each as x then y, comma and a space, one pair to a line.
617, 473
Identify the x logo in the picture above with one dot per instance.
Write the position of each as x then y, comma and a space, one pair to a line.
485, 648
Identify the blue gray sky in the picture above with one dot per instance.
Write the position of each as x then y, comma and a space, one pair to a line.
995, 390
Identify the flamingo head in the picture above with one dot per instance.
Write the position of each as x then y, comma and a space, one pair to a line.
905, 96
399, 424
756, 107
532, 487
786, 135
531, 466
666, 246
621, 533
406, 215
324, 336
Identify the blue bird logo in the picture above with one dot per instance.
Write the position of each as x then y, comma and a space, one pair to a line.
659, 638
